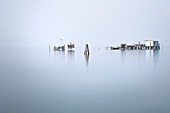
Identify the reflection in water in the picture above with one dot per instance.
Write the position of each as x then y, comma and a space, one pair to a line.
60, 55
51, 85
123, 55
155, 57
71, 56
87, 59
141, 56
151, 56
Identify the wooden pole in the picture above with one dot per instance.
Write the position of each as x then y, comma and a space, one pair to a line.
86, 51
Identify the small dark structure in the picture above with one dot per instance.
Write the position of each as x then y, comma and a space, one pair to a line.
71, 46
58, 48
123, 46
86, 51
114, 48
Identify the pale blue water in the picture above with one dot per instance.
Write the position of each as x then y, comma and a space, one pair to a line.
34, 80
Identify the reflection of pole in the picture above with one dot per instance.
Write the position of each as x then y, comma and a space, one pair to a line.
87, 58
150, 55
86, 51
49, 47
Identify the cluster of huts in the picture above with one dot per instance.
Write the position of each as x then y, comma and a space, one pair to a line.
70, 47
62, 47
149, 44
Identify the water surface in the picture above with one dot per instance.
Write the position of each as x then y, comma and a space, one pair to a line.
34, 80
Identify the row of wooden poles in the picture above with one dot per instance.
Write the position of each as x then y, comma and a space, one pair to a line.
138, 48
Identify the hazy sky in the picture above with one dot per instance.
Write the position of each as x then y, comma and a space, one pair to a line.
97, 22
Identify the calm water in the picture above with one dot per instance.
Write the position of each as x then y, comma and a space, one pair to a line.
34, 80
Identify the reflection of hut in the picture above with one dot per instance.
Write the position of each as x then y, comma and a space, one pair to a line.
71, 55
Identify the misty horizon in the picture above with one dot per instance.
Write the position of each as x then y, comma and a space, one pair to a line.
40, 23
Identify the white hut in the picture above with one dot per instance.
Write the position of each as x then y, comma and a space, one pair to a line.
152, 44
